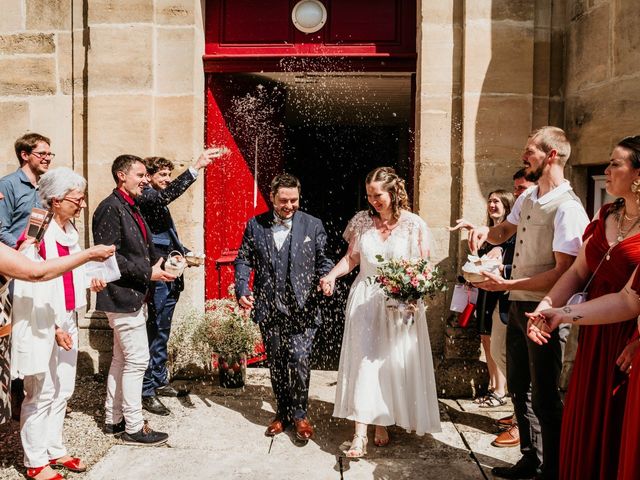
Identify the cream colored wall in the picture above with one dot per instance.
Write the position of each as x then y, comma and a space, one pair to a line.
123, 77
602, 92
488, 73
102, 78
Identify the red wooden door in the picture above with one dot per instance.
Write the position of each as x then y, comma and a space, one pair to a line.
245, 114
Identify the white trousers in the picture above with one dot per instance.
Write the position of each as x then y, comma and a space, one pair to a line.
45, 403
499, 341
130, 360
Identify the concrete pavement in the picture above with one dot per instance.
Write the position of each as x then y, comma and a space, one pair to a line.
219, 434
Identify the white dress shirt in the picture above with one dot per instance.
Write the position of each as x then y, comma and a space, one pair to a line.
280, 229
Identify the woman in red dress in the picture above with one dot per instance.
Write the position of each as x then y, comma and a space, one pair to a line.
607, 309
592, 419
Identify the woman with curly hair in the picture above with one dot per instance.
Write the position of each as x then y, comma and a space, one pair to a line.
386, 372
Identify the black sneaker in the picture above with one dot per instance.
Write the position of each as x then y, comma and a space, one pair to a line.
114, 428
523, 469
145, 437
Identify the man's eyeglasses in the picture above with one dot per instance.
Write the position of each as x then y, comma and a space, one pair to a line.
44, 155
78, 202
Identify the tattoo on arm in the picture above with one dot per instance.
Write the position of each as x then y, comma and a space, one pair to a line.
566, 309
576, 318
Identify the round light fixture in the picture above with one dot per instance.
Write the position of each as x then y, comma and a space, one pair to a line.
309, 15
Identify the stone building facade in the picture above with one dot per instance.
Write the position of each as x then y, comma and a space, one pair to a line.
105, 77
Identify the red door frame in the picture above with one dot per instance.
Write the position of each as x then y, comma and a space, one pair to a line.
299, 53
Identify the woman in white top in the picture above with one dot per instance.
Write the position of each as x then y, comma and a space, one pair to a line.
386, 374
45, 342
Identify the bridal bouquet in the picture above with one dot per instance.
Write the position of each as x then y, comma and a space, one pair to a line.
409, 280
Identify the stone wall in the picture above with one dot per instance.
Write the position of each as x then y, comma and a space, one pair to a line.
102, 78
602, 92
488, 73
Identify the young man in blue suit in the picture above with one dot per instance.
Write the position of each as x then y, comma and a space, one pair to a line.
285, 248
154, 205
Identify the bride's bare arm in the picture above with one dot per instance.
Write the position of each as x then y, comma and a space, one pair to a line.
344, 266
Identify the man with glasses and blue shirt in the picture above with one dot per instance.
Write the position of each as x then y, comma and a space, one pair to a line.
20, 193
20, 187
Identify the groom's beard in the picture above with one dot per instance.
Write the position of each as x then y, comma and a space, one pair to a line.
535, 175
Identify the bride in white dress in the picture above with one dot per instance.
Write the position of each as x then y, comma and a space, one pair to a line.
386, 372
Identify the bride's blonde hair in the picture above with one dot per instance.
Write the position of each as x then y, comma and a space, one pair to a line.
392, 184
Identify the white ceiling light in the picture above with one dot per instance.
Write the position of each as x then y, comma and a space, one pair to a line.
309, 15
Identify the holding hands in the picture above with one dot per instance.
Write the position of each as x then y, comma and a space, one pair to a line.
541, 324
327, 285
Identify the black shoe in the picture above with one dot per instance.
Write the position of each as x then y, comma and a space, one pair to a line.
169, 391
523, 469
154, 405
145, 437
114, 428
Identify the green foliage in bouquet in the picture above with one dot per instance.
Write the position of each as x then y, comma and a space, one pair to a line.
409, 280
223, 328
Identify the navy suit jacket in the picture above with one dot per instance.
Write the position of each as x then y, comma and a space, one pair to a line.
153, 206
307, 263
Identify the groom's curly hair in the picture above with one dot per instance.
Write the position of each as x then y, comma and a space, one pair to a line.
393, 184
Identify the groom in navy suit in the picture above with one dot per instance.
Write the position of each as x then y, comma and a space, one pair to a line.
286, 250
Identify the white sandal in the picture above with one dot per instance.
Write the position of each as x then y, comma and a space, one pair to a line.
358, 448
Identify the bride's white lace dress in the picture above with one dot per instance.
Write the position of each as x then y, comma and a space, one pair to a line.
386, 372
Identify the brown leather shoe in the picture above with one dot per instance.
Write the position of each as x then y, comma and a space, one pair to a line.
505, 423
508, 438
275, 427
304, 430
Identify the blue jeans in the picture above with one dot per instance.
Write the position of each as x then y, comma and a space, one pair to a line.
161, 310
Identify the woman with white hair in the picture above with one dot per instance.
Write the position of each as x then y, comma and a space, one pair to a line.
45, 343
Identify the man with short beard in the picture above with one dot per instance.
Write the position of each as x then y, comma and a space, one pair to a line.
549, 221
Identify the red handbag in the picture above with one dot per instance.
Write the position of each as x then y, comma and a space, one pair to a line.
465, 315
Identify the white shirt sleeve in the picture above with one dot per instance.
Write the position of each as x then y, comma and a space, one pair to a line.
193, 171
514, 216
569, 225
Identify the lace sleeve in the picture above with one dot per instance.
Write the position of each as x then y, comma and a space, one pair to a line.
425, 240
358, 224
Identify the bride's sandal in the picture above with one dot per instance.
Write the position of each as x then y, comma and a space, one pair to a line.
358, 448
381, 437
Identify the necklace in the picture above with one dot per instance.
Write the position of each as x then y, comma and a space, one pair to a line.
623, 233
627, 217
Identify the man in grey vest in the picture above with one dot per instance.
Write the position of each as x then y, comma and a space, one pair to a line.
285, 248
549, 220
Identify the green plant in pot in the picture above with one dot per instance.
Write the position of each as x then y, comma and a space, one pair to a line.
223, 331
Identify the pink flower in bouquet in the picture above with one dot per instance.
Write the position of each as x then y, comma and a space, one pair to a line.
414, 281
395, 289
409, 270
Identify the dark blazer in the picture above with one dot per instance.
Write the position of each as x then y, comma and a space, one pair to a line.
307, 263
153, 205
114, 224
